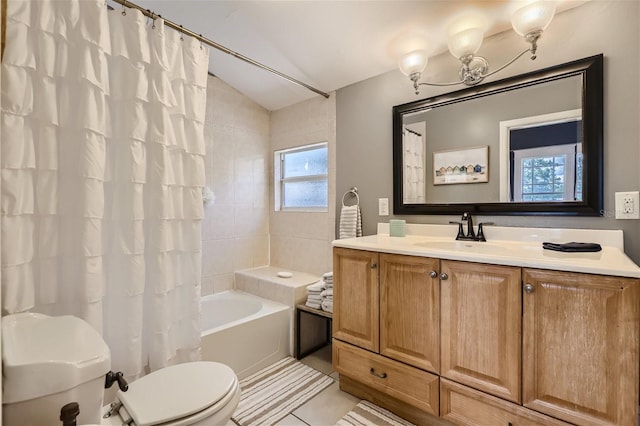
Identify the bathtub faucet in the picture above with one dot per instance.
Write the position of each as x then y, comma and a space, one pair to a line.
470, 236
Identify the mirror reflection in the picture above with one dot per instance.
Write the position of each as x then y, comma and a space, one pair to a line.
506, 144
524, 118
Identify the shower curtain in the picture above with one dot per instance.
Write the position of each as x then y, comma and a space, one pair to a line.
102, 173
414, 164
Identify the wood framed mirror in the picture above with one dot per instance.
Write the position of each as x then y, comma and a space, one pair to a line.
530, 144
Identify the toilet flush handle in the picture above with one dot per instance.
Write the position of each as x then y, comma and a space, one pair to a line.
116, 377
68, 414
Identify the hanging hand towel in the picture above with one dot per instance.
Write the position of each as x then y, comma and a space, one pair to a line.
350, 222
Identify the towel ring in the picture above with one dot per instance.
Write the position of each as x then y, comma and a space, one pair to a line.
352, 191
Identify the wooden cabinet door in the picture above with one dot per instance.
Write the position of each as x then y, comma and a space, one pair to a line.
580, 347
355, 297
481, 327
410, 310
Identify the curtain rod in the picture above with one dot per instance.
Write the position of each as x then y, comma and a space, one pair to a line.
412, 131
220, 47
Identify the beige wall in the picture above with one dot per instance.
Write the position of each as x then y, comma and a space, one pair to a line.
235, 230
301, 241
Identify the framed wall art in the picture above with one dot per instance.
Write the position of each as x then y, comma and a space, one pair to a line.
468, 165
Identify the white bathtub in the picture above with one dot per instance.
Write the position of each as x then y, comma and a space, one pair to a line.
244, 331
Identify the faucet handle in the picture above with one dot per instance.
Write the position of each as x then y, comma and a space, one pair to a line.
460, 230
481, 236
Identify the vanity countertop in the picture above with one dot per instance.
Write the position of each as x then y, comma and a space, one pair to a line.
516, 247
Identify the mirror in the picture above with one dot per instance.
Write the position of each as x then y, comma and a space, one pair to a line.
527, 145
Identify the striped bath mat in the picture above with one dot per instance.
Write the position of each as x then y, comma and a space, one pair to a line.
272, 393
368, 414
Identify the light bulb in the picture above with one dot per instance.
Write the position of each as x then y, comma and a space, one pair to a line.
533, 17
465, 42
413, 62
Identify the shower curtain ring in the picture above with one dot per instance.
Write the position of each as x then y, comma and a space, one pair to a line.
181, 33
124, 8
200, 41
153, 16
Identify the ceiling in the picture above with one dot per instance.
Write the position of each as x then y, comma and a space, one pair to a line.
326, 44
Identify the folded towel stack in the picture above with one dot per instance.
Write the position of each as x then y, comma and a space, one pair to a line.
327, 293
327, 278
314, 298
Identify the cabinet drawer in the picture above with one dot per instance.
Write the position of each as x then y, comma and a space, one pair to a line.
465, 406
408, 384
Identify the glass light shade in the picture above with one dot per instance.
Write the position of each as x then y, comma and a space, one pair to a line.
533, 17
412, 62
465, 42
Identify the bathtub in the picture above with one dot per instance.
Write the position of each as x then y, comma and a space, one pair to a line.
244, 331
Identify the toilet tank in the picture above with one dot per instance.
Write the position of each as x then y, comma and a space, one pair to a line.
49, 362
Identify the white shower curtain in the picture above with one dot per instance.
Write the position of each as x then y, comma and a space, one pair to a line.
414, 164
102, 172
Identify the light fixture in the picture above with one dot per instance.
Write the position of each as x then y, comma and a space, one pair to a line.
529, 21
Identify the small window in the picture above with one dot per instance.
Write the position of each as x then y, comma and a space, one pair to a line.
301, 178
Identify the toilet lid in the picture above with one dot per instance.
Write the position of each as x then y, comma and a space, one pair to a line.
177, 391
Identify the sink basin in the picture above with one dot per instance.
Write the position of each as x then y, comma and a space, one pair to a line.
466, 246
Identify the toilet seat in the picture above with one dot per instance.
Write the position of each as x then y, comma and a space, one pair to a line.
179, 395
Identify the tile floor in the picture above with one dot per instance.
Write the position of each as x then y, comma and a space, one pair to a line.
328, 406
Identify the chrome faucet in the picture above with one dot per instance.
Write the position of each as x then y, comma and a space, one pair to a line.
471, 235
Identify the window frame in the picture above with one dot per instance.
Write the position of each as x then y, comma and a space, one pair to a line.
280, 181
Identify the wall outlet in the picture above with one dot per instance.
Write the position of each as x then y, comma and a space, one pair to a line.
383, 207
628, 205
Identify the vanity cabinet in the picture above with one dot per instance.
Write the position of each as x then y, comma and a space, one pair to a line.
580, 346
481, 327
410, 310
355, 300
482, 344
388, 305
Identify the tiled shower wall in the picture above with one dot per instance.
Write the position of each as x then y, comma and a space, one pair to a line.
301, 241
235, 230
241, 230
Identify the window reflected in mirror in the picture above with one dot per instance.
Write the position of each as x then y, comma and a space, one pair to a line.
543, 158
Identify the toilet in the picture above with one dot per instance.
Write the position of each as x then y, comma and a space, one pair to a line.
49, 362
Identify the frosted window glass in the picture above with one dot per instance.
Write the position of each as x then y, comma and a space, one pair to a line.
302, 178
305, 194
305, 163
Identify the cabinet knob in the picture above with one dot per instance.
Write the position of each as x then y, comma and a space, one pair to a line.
529, 288
381, 375
444, 276
433, 274
374, 265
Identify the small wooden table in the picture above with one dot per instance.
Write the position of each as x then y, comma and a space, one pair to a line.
318, 313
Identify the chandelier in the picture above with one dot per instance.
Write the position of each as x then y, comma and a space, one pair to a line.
529, 22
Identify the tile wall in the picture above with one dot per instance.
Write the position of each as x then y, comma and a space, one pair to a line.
241, 230
301, 241
235, 230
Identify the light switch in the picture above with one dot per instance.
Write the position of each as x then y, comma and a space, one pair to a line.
383, 207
